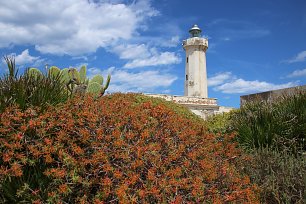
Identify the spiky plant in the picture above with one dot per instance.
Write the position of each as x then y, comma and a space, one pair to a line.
277, 124
29, 89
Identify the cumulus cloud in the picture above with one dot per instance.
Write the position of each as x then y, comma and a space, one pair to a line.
140, 55
72, 27
155, 59
297, 73
131, 51
300, 57
241, 86
219, 78
228, 83
143, 81
24, 58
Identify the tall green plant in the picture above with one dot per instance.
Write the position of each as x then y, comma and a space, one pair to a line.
29, 89
277, 124
10, 61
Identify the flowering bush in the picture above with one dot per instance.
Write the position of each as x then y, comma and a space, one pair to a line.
124, 148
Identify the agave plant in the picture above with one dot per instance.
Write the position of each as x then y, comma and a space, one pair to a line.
29, 89
280, 124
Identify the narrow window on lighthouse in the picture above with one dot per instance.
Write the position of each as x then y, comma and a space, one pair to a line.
187, 59
186, 76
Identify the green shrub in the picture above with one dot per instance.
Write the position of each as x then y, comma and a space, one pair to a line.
279, 124
29, 89
220, 123
121, 148
280, 175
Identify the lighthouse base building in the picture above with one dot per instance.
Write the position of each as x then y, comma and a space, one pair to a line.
203, 107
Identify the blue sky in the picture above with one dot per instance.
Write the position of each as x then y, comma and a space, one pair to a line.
254, 46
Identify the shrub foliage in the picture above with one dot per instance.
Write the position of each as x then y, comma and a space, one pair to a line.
30, 90
274, 135
123, 148
280, 176
278, 125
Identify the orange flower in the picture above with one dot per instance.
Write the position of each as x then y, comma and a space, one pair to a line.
16, 169
31, 124
107, 181
118, 174
63, 188
48, 158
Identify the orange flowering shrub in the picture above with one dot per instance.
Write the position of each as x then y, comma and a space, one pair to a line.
124, 148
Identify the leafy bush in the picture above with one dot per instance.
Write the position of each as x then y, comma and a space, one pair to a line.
280, 124
29, 90
274, 134
220, 123
280, 176
120, 148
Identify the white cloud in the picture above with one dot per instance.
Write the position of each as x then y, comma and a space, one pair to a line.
143, 56
219, 78
72, 27
155, 59
172, 42
143, 81
300, 57
228, 83
297, 73
243, 86
24, 58
132, 51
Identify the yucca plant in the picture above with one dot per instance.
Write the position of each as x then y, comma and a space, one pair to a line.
277, 124
27, 90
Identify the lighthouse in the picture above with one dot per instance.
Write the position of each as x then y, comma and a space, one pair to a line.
195, 91
195, 64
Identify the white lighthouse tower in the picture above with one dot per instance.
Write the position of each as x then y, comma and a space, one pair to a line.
195, 68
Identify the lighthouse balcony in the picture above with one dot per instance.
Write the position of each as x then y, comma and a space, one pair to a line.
195, 41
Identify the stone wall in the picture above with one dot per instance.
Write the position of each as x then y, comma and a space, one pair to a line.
271, 95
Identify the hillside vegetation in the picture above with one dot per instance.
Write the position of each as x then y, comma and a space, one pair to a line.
274, 135
125, 148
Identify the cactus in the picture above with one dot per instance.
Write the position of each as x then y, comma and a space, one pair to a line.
80, 89
74, 75
96, 85
97, 78
106, 85
65, 75
54, 71
77, 83
94, 88
34, 72
83, 71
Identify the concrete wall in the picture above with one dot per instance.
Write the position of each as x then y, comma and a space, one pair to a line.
271, 95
